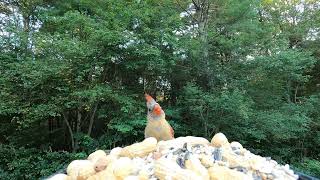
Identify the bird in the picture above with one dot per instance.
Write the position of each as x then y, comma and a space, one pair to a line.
157, 125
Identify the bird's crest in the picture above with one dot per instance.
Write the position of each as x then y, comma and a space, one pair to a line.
148, 97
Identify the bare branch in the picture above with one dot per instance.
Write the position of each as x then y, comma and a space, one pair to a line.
196, 5
185, 10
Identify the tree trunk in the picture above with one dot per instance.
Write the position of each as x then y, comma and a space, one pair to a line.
295, 94
202, 13
78, 129
92, 118
289, 91
65, 118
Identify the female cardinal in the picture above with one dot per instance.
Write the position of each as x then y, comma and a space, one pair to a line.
157, 126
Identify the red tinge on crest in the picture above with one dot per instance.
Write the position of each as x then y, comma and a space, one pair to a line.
148, 97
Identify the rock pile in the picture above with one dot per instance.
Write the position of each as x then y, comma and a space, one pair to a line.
183, 158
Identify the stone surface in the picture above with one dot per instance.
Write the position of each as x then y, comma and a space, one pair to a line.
96, 155
220, 140
180, 158
59, 177
236, 146
80, 169
223, 173
123, 167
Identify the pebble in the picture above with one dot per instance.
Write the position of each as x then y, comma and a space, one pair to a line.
217, 154
235, 146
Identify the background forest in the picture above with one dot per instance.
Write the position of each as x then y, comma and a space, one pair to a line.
73, 74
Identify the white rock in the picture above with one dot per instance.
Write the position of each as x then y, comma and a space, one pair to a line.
266, 168
116, 151
236, 145
58, 177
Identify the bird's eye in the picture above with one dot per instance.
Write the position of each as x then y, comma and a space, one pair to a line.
149, 109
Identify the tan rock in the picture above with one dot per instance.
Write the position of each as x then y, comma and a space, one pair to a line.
223, 173
194, 164
220, 140
206, 160
101, 164
256, 162
180, 141
102, 175
156, 155
143, 175
123, 167
116, 151
80, 169
140, 149
96, 155
167, 169
235, 160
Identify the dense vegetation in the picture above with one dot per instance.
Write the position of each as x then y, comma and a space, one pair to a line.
73, 74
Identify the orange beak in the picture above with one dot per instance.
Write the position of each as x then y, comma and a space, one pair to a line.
157, 109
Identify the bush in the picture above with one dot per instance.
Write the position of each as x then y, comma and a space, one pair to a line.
22, 163
309, 166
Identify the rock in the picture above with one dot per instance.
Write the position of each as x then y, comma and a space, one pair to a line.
241, 169
180, 161
165, 168
59, 177
101, 164
180, 141
123, 167
264, 176
140, 149
256, 162
102, 175
236, 146
116, 151
206, 160
131, 178
223, 173
192, 163
156, 155
80, 169
189, 158
220, 140
96, 155
266, 168
217, 154
143, 175
234, 160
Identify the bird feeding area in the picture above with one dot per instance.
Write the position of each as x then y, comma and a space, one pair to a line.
182, 158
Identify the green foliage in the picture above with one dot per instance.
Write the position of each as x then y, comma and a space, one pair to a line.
215, 111
309, 166
73, 74
22, 163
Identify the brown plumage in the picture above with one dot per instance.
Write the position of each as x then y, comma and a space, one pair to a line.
157, 126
